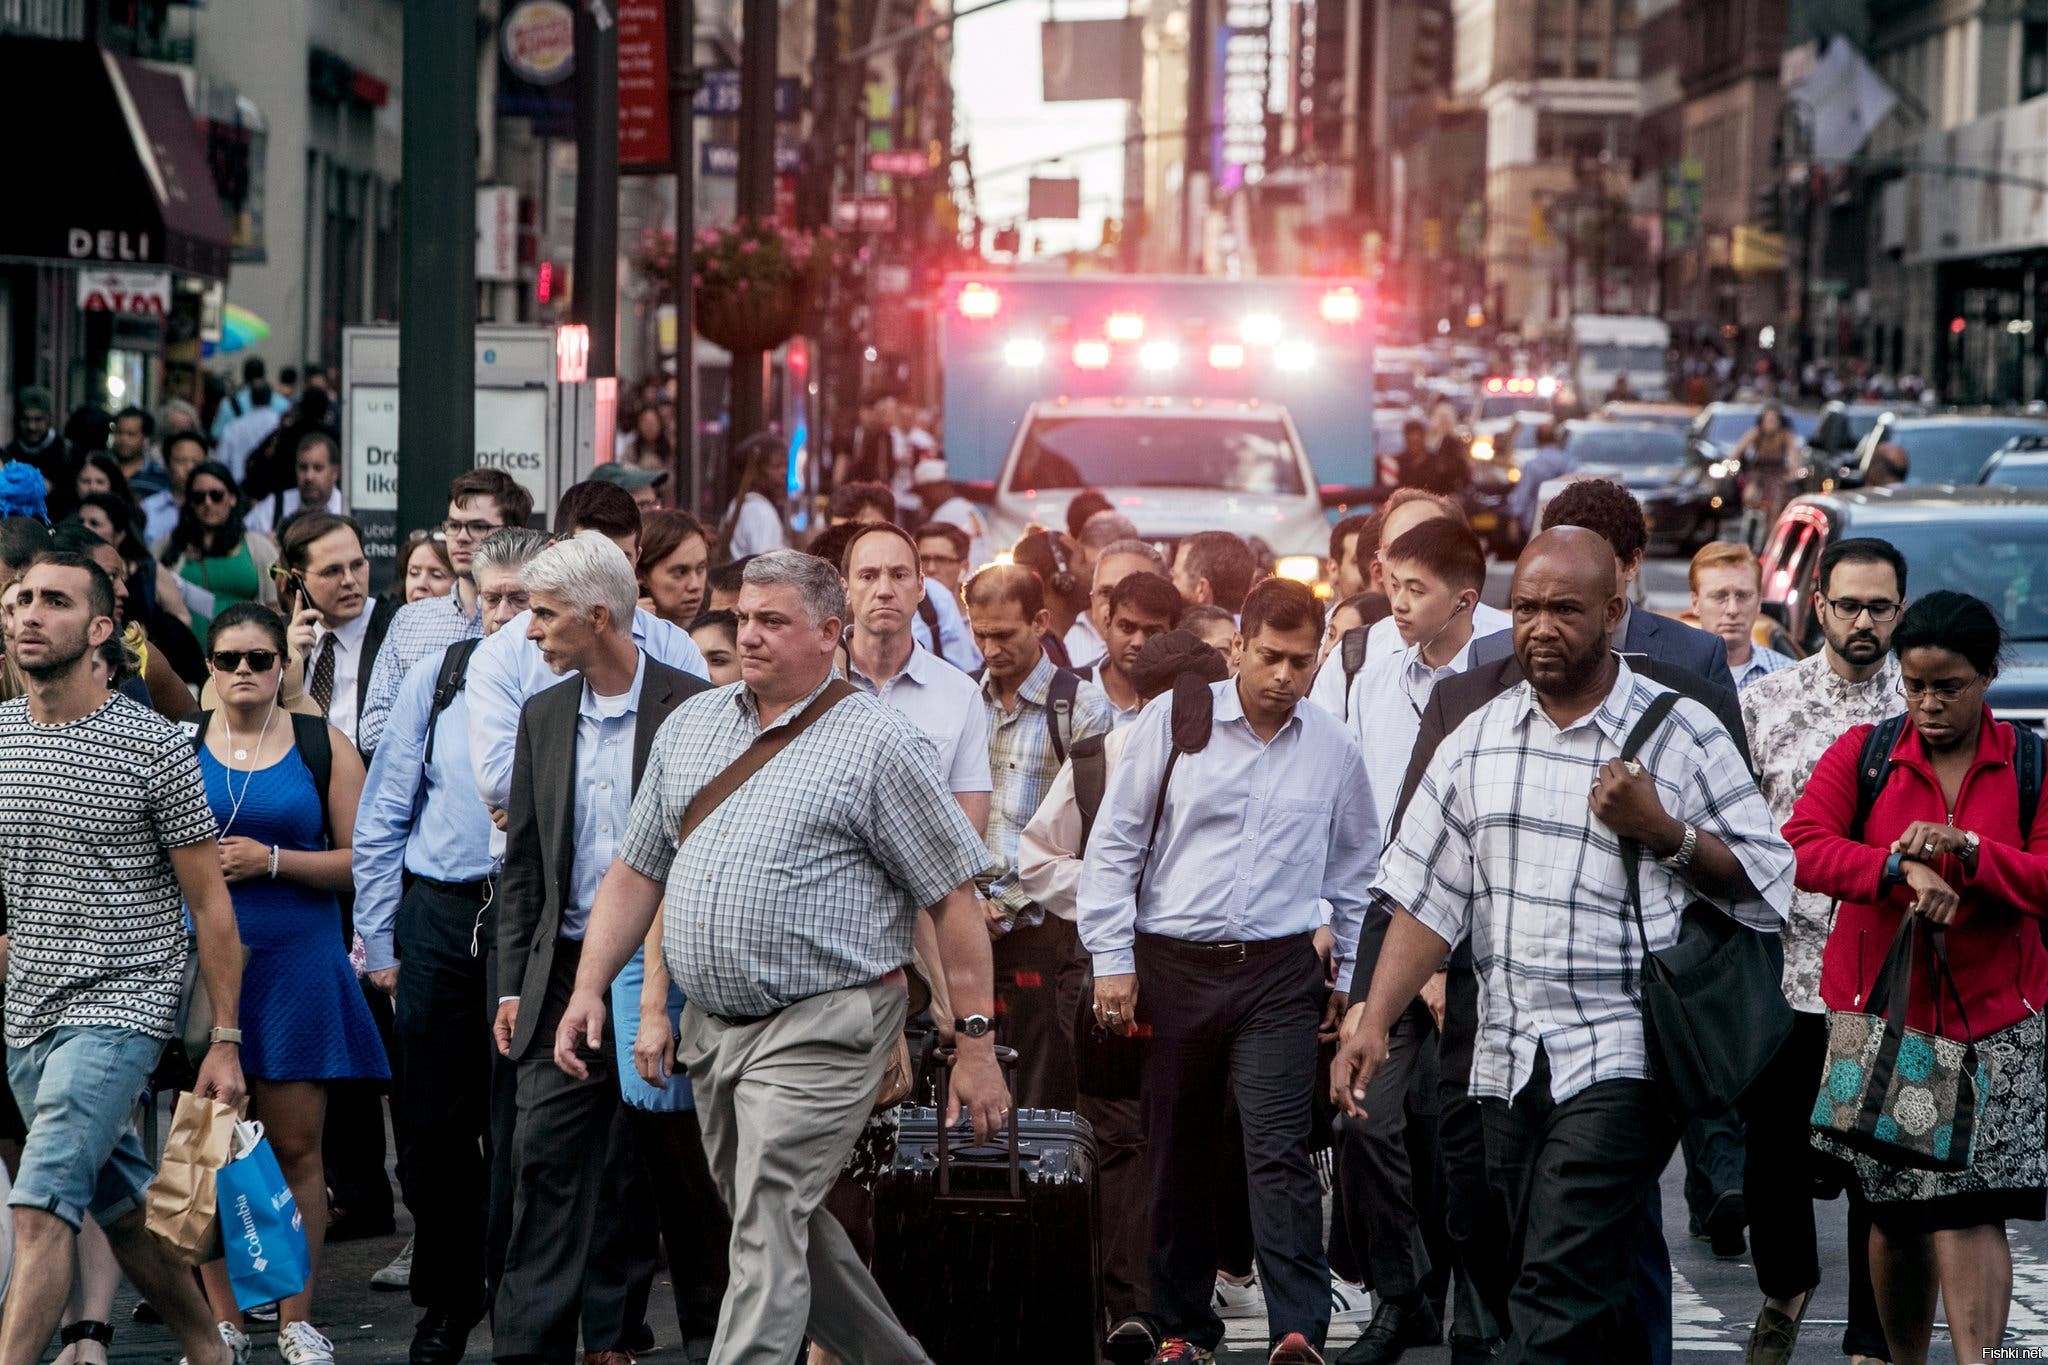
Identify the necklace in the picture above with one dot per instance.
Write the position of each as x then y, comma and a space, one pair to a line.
240, 755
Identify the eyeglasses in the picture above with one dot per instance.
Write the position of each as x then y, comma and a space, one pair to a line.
1948, 690
930, 562
1847, 609
209, 494
475, 530
231, 660
518, 600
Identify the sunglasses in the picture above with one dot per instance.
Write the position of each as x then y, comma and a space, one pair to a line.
230, 660
210, 494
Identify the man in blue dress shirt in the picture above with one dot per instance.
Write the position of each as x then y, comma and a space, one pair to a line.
421, 818
1199, 902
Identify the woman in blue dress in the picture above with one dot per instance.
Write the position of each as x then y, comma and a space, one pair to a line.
304, 1020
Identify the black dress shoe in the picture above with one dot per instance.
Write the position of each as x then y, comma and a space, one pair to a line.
1474, 1350
641, 1340
1725, 1222
1396, 1325
442, 1336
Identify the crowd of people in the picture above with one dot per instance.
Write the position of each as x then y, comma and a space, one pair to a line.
620, 859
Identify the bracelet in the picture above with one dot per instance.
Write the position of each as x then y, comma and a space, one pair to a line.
1680, 860
273, 862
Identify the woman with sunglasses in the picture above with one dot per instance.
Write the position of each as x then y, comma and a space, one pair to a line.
211, 550
304, 1020
1942, 842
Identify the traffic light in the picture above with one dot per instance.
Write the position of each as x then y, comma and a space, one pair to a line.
1770, 209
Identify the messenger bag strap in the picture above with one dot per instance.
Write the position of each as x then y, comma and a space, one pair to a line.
755, 757
1631, 853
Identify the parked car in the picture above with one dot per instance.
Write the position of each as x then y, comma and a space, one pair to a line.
1991, 542
1650, 461
1944, 449
2021, 463
1839, 430
1678, 416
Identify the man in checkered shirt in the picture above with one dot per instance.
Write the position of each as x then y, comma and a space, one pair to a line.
787, 921
1500, 845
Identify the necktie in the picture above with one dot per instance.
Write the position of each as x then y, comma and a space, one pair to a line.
322, 687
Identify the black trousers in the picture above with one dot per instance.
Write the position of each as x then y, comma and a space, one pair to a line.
1376, 1180
1576, 1175
694, 1226
1475, 1219
352, 1138
1713, 1149
1122, 1175
1242, 1019
448, 1082
1028, 966
1779, 1187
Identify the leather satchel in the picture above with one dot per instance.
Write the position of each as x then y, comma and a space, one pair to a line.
1714, 1014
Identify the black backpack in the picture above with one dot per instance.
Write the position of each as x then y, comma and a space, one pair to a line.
454, 673
1874, 769
309, 734
1193, 714
1059, 713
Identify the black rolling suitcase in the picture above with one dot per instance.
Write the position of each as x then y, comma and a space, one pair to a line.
990, 1255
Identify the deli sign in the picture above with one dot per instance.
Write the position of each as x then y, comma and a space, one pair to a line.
139, 293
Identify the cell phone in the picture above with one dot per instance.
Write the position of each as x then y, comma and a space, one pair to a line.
294, 591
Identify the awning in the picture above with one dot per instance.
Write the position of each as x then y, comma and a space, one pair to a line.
108, 163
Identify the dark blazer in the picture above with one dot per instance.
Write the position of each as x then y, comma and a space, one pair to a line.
1453, 700
382, 609
1658, 637
540, 830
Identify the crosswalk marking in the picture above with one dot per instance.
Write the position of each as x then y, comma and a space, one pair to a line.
1697, 1325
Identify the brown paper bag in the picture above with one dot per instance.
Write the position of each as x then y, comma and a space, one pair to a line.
182, 1207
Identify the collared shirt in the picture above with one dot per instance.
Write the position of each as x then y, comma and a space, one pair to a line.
808, 878
1382, 640
152, 478
1049, 850
159, 518
1762, 663
266, 516
507, 670
348, 665
1085, 645
417, 630
604, 790
233, 445
1253, 836
1022, 764
956, 642
1793, 717
1387, 701
450, 837
240, 404
941, 701
1501, 844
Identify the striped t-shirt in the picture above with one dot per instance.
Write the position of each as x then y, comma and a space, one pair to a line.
89, 811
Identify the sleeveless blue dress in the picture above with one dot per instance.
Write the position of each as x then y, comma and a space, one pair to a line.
303, 1015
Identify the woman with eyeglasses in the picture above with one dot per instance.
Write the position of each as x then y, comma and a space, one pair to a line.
1942, 842
210, 549
304, 1021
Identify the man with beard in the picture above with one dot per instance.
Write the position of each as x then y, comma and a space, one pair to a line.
1793, 716
96, 876
1499, 846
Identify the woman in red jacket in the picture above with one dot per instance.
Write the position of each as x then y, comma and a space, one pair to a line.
1943, 841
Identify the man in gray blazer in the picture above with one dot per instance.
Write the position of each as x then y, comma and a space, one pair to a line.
581, 749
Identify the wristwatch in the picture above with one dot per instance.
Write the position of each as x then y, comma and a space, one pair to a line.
224, 1035
1970, 842
1681, 857
973, 1026
1894, 872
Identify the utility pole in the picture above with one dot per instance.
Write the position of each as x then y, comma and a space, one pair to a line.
682, 148
595, 296
756, 189
437, 259
1195, 165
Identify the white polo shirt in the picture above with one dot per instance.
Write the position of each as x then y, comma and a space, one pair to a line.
944, 703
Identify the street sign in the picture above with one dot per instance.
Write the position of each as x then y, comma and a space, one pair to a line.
871, 214
135, 292
723, 159
719, 95
898, 163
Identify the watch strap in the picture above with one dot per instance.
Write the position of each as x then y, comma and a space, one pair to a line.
224, 1035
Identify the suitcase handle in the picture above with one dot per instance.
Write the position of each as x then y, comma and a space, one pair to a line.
1006, 1058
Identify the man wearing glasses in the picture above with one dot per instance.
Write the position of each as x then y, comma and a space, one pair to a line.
479, 502
1793, 716
942, 554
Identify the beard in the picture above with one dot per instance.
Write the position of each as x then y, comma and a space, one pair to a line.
64, 657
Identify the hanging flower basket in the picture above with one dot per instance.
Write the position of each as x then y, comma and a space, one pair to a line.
755, 283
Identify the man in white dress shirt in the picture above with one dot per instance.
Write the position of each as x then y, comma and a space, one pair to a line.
337, 626
317, 467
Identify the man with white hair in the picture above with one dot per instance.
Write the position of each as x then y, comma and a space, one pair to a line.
579, 753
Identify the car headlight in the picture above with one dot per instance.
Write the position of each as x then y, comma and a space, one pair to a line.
1300, 568
1482, 448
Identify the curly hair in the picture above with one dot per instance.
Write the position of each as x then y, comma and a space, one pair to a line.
1605, 508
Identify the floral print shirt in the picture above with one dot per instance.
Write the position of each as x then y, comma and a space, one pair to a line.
1792, 716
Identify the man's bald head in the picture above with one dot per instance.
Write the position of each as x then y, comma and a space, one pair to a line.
1566, 602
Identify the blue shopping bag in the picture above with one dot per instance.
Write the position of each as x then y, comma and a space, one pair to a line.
262, 1238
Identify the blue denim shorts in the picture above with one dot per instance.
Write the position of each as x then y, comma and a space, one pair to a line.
77, 1089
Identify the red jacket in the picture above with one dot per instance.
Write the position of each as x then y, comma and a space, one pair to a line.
1994, 945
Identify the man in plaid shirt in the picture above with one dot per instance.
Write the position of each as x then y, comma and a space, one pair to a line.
1499, 845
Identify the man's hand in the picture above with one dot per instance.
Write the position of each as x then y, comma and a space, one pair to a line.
977, 1089
500, 817
1624, 798
1924, 841
386, 980
508, 1019
654, 1047
996, 918
1432, 997
220, 1075
300, 636
243, 859
1333, 1016
1933, 898
582, 1026
1116, 1002
1352, 1070
1326, 949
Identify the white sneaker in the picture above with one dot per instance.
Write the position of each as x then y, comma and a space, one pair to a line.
238, 1345
1349, 1302
397, 1275
1233, 1300
299, 1344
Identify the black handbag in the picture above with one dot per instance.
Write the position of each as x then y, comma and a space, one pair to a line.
1714, 1014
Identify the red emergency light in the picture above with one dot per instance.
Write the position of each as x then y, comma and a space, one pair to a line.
544, 282
1343, 305
1125, 327
978, 301
1495, 386
1091, 355
1226, 355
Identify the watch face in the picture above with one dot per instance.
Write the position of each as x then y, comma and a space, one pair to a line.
974, 1026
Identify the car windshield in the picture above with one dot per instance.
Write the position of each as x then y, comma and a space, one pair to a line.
1613, 358
1234, 454
1497, 405
2020, 473
1954, 452
1625, 447
2003, 561
1726, 427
